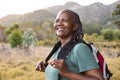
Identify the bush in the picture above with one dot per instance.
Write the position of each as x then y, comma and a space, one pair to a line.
29, 38
117, 34
108, 34
11, 28
15, 38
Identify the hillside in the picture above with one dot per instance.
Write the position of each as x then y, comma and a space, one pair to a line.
35, 16
93, 13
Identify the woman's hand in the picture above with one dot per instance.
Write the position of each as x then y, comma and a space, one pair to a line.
60, 65
40, 66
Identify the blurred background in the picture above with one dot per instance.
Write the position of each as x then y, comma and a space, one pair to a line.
27, 35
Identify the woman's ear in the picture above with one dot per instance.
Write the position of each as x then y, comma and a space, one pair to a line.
75, 27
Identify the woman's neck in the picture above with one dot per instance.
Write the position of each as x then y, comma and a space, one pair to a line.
64, 41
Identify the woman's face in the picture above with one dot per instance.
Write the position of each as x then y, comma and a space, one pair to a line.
64, 25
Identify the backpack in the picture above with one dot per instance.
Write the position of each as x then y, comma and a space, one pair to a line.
98, 57
101, 61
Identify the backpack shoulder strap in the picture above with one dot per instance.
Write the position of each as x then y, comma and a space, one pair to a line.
66, 49
56, 46
94, 51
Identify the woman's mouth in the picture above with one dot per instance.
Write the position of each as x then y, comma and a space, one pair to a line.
59, 31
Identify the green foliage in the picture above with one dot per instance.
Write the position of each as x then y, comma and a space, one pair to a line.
93, 38
92, 28
8, 30
117, 34
108, 34
11, 28
29, 38
117, 22
116, 13
15, 38
117, 10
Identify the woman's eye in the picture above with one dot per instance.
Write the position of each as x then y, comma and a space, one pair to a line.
65, 20
57, 20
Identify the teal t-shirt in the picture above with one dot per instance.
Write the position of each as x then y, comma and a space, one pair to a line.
80, 59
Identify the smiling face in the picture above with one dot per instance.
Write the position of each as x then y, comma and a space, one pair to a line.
64, 25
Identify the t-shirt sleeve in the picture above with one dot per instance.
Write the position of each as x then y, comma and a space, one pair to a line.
84, 58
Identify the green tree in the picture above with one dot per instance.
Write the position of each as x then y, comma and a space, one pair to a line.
11, 28
116, 14
29, 38
15, 38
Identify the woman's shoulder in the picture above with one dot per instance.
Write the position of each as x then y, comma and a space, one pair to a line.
81, 45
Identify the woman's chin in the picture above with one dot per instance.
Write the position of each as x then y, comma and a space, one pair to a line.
60, 36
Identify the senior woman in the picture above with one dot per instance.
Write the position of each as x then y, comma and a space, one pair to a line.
79, 63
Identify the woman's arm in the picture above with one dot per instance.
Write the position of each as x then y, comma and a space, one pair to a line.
94, 74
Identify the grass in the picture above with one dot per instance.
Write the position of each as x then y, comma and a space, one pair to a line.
19, 66
22, 70
114, 66
22, 67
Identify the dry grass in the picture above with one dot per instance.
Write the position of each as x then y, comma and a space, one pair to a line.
114, 66
19, 64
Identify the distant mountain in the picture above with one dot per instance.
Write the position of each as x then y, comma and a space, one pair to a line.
35, 16
94, 13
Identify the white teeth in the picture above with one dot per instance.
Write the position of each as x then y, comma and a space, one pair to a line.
60, 29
